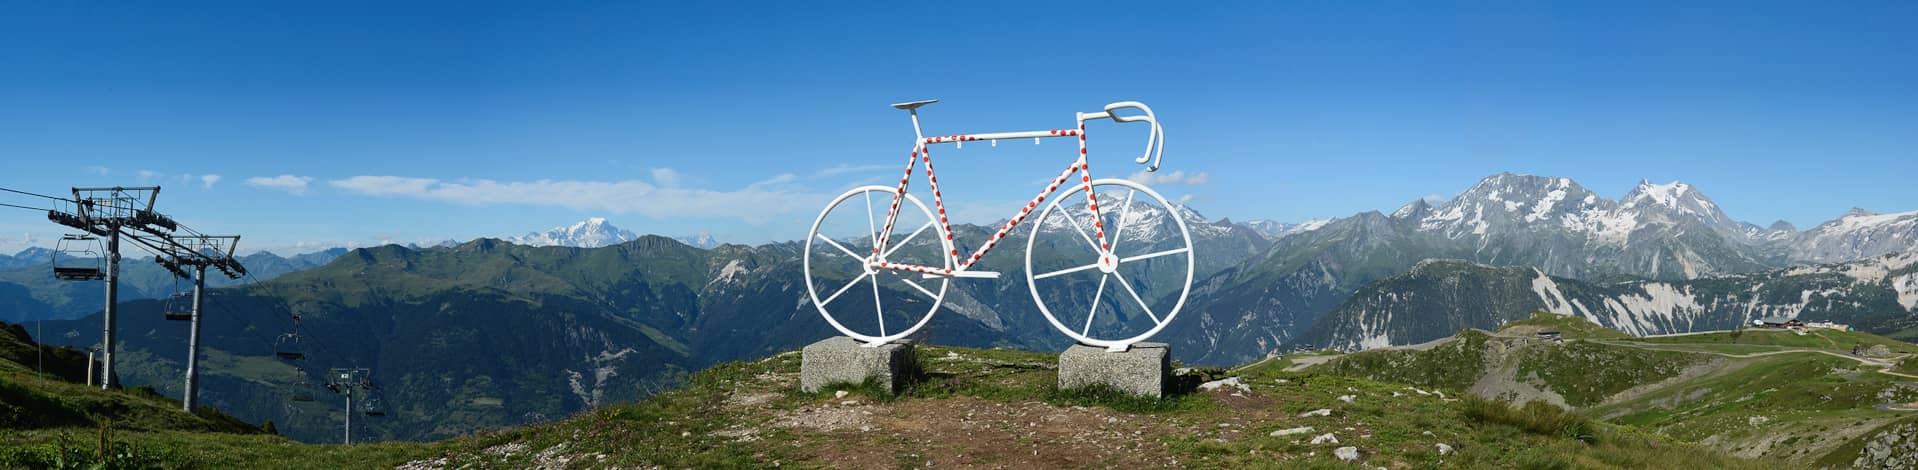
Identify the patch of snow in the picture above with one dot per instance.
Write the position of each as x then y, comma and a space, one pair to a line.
1907, 288
1549, 294
1544, 207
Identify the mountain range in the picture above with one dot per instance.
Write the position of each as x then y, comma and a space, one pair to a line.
1669, 232
28, 290
491, 333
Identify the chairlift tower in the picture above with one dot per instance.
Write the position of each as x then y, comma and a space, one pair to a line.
345, 381
104, 212
107, 212
197, 252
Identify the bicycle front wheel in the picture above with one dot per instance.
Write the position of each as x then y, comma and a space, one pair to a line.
1110, 297
867, 303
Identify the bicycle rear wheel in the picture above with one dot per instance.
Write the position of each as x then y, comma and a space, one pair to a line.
873, 304
1118, 296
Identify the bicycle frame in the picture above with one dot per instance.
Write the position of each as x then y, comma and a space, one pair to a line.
922, 152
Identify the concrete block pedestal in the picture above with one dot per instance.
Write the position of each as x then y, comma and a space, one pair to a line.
841, 359
1140, 370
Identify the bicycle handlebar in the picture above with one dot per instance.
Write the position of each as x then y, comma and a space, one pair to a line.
1155, 141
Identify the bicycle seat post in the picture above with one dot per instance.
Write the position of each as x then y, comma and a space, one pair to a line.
912, 107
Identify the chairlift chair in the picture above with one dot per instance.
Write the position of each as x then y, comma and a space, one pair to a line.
79, 257
288, 347
374, 405
179, 306
302, 388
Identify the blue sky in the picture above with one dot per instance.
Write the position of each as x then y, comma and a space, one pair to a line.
354, 123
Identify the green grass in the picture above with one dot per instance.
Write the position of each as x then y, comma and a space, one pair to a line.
1568, 326
688, 427
1807, 397
1454, 365
1840, 341
1587, 373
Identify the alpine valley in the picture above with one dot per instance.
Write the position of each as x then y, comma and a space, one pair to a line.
494, 333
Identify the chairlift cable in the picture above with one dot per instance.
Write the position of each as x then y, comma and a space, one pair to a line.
23, 207
16, 191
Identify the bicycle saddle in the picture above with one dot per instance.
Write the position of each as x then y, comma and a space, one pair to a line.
911, 105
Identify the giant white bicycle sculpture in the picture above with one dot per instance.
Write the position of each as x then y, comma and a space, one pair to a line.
872, 252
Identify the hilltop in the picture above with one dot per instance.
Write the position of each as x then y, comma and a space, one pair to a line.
1772, 394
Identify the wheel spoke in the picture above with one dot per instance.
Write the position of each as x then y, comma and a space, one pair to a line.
915, 285
842, 290
1135, 297
872, 229
842, 248
1155, 255
1095, 306
1066, 271
877, 309
901, 243
1082, 231
1123, 210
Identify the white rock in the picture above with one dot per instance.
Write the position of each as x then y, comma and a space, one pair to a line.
1326, 438
1347, 453
850, 403
1444, 449
1288, 432
1227, 382
1317, 412
840, 394
1112, 419
1346, 398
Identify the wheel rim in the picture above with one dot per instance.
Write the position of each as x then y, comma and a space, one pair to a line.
1113, 278
833, 296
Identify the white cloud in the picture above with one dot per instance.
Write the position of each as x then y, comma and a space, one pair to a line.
1433, 199
757, 203
208, 180
98, 170
666, 177
295, 185
147, 175
1170, 179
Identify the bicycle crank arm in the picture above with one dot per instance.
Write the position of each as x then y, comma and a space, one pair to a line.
966, 274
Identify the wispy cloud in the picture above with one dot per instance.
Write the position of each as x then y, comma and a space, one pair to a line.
208, 180
98, 170
666, 177
1170, 179
292, 184
756, 203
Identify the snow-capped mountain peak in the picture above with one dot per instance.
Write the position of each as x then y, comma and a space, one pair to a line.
590, 233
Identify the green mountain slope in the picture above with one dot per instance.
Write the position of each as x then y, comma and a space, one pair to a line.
28, 290
1773, 395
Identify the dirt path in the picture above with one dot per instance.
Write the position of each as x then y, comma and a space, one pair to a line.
1884, 365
